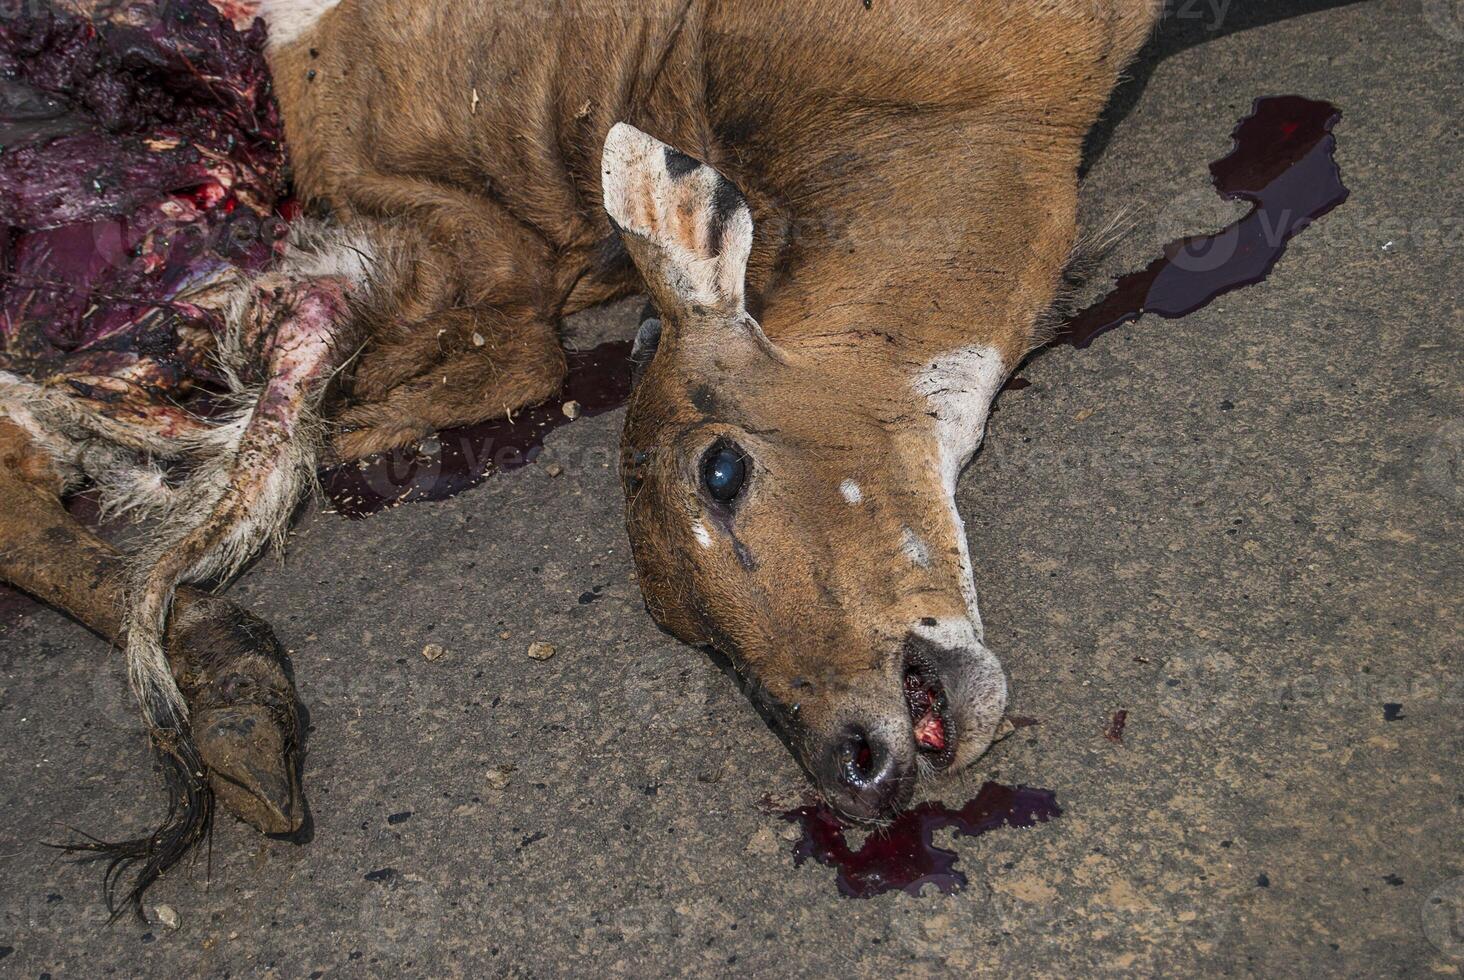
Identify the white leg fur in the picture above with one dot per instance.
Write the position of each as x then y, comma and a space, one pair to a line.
248, 471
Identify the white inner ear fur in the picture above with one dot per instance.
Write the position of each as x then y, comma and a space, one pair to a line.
959, 386
645, 199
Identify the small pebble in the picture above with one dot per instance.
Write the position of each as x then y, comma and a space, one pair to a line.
433, 652
167, 915
498, 777
554, 469
571, 409
478, 340
539, 650
763, 841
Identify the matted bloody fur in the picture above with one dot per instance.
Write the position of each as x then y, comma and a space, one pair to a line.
910, 175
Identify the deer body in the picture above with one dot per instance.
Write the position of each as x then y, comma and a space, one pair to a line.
851, 222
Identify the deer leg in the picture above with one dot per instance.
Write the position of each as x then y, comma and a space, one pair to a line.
247, 474
484, 364
238, 499
224, 660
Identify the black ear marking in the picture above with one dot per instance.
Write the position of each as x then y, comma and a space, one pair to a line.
678, 164
643, 349
726, 200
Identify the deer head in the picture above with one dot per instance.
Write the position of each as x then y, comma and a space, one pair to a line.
791, 504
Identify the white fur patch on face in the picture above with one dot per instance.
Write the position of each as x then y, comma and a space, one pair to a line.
703, 537
289, 19
959, 386
914, 549
851, 492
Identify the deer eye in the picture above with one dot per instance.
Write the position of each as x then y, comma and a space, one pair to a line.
724, 471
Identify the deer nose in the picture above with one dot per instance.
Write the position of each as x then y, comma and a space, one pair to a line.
866, 774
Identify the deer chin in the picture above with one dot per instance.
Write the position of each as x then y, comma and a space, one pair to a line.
976, 699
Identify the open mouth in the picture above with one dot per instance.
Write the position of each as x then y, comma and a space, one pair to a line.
935, 738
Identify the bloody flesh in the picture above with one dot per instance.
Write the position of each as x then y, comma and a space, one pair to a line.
142, 161
923, 701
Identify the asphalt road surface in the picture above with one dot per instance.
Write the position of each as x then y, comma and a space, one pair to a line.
1242, 527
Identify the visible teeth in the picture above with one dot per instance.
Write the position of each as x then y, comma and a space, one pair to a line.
917, 695
923, 702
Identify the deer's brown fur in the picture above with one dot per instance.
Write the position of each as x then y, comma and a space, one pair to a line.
474, 132
910, 173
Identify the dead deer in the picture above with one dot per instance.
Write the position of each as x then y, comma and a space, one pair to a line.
851, 219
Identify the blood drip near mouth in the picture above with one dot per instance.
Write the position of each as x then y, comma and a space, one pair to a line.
903, 855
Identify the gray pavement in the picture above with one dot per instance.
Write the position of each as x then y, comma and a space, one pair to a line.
1242, 527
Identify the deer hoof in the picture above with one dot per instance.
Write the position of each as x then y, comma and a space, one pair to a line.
251, 766
242, 710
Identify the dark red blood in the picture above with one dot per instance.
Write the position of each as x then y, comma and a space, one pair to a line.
1114, 732
599, 379
1282, 163
289, 209
903, 855
129, 138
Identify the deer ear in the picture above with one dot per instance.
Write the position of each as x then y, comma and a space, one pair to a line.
647, 340
686, 226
